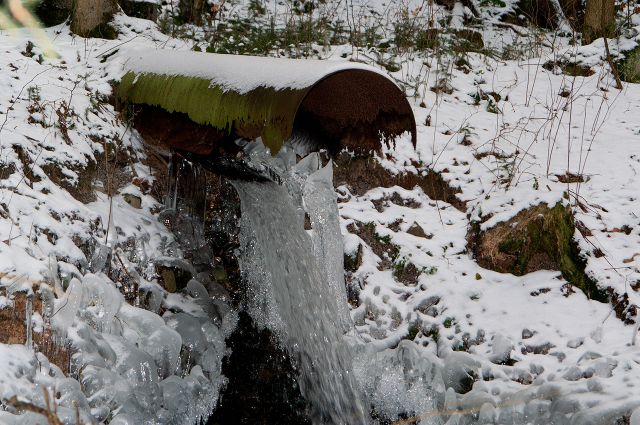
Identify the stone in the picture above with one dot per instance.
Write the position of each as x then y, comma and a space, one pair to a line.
133, 200
537, 238
418, 231
175, 275
527, 333
573, 374
575, 342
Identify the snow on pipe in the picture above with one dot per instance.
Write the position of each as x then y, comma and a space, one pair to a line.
332, 104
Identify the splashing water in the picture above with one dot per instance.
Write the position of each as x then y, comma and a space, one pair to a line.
297, 302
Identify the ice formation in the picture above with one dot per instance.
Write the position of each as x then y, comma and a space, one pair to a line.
304, 304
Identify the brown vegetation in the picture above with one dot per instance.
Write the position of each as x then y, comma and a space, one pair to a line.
361, 174
13, 330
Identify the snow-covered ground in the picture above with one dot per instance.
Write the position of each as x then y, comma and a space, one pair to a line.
564, 354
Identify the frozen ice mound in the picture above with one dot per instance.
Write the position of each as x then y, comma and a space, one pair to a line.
95, 300
27, 376
128, 363
399, 381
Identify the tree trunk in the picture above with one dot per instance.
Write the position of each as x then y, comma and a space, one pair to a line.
90, 17
192, 11
599, 20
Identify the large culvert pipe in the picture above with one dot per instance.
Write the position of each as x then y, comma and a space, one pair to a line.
214, 99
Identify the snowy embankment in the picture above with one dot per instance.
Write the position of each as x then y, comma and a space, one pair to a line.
63, 151
536, 348
532, 346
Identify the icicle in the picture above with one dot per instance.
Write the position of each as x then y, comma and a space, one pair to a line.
46, 295
54, 275
172, 185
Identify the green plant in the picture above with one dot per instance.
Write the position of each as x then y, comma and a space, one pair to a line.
434, 333
430, 270
492, 107
383, 239
412, 332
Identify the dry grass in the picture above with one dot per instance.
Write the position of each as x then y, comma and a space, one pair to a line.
13, 330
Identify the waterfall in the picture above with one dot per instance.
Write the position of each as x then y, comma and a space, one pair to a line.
289, 273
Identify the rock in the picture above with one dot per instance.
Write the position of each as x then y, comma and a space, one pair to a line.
141, 9
253, 363
169, 280
521, 376
573, 374
536, 369
538, 349
526, 333
418, 231
537, 238
220, 274
425, 305
133, 200
575, 342
90, 18
559, 355
596, 335
174, 275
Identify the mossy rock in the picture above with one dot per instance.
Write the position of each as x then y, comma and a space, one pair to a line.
538, 238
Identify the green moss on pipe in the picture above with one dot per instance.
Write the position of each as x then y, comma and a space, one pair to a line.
263, 112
